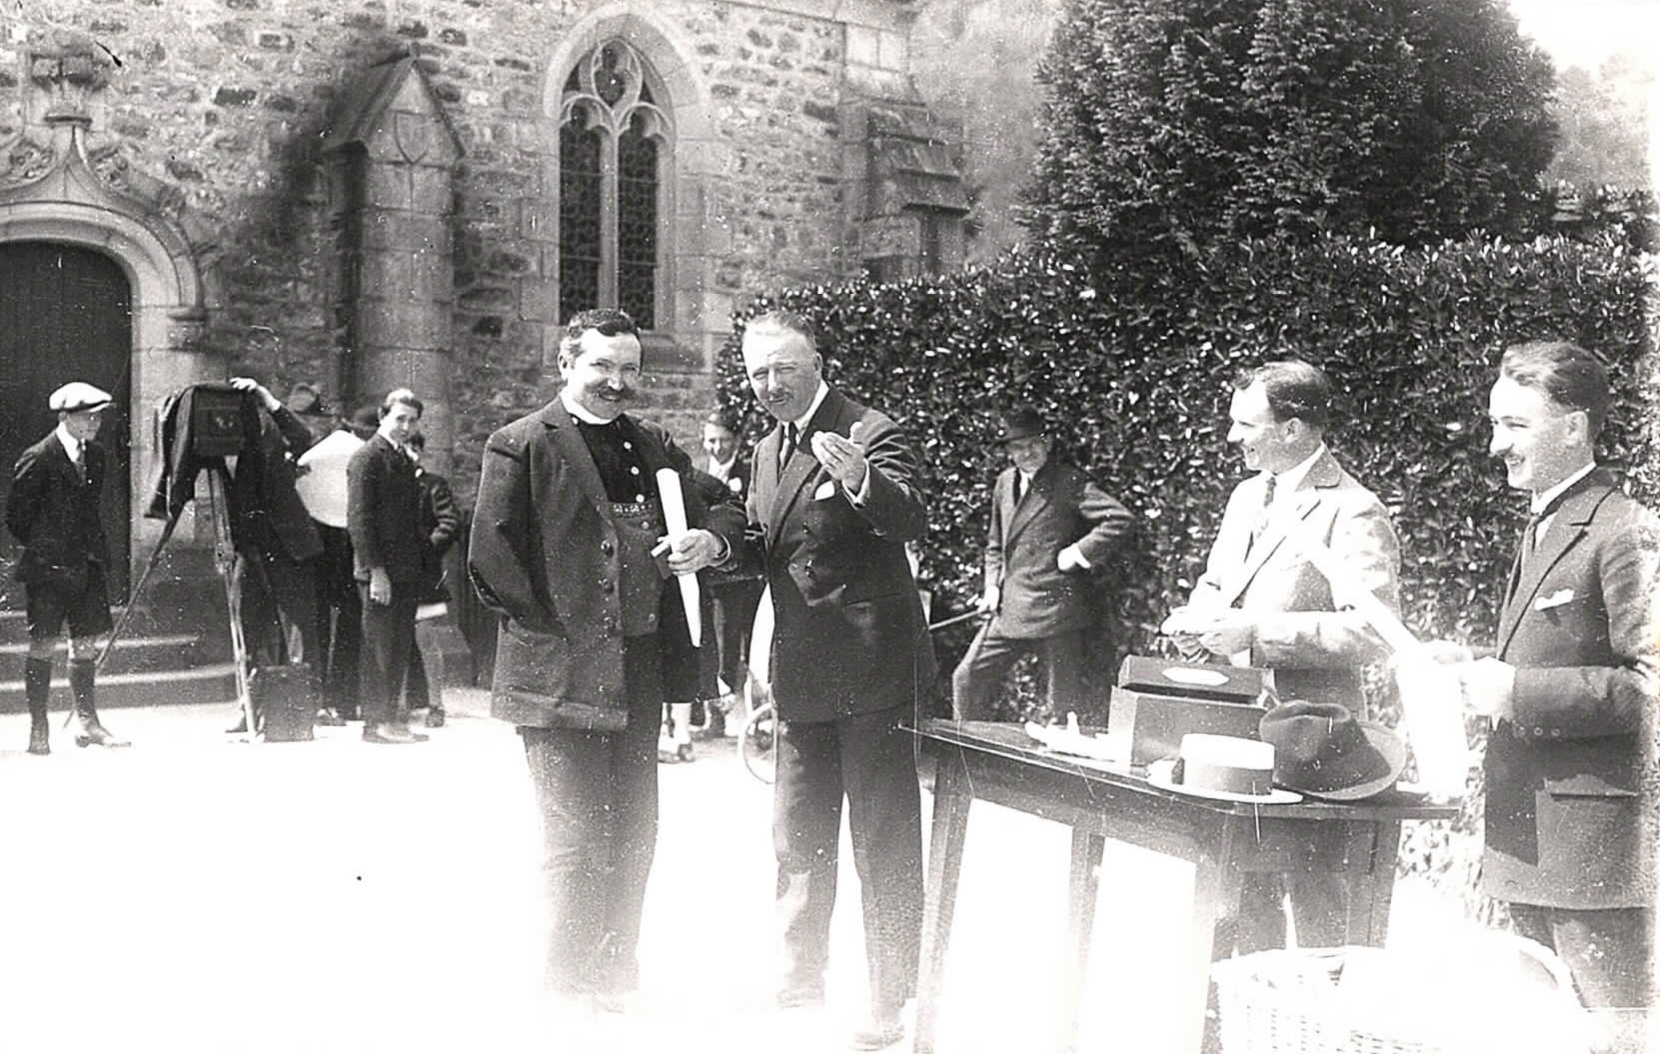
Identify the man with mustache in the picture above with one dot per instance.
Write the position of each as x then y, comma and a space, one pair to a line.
1261, 602
565, 545
835, 494
1571, 691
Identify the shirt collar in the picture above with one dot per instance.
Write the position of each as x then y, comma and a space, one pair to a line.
722, 469
1292, 478
1541, 502
71, 445
578, 412
818, 397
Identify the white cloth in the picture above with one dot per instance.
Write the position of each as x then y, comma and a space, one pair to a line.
71, 445
322, 487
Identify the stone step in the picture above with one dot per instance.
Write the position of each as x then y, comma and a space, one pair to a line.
213, 683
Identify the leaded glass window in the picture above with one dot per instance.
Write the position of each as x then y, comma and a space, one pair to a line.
614, 144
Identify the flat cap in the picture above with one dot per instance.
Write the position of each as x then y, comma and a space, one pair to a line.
78, 395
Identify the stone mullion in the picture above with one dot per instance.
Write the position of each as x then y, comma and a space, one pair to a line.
610, 220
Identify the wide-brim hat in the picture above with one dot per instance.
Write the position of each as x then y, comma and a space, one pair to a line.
77, 396
304, 398
1021, 424
1222, 768
1323, 751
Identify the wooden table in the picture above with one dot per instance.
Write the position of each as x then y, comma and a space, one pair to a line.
1223, 840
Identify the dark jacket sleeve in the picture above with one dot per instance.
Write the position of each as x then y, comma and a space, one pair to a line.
23, 501
446, 516
295, 435
363, 475
1109, 522
503, 556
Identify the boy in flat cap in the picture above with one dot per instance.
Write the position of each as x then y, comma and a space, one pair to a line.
53, 513
1051, 527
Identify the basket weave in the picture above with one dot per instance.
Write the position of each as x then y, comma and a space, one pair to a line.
1289, 1002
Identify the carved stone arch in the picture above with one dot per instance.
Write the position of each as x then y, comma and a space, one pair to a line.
696, 317
70, 204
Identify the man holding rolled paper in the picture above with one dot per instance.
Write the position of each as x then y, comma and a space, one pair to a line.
1570, 814
1263, 602
574, 544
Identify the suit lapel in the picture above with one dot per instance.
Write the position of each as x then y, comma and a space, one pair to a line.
1037, 497
1569, 525
567, 442
803, 465
1322, 475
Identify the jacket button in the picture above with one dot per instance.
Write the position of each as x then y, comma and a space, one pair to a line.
607, 548
1538, 731
1556, 733
607, 586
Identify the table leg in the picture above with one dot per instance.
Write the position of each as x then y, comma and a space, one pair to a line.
945, 860
1370, 878
1082, 887
1216, 882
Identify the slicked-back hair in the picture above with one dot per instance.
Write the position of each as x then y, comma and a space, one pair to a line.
402, 396
782, 320
1563, 372
1295, 389
609, 321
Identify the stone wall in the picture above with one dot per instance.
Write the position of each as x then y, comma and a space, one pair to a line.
221, 106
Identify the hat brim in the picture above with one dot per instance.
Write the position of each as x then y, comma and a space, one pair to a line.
1393, 749
1159, 772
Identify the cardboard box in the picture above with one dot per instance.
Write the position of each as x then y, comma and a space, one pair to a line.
1157, 701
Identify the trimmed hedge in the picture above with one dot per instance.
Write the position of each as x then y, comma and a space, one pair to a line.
1134, 371
1136, 379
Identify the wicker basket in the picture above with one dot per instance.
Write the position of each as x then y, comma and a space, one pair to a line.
1359, 1000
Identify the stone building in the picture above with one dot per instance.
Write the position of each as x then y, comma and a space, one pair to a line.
363, 194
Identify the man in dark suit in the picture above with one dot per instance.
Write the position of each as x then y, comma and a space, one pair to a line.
383, 516
1262, 602
1571, 691
735, 592
1050, 529
53, 513
835, 495
594, 637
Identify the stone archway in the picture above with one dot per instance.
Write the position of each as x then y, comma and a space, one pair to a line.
69, 204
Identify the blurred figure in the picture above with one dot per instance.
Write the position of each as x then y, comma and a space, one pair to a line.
737, 592
441, 523
322, 486
52, 511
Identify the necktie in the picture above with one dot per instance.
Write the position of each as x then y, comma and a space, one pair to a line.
1019, 487
791, 438
80, 462
1267, 505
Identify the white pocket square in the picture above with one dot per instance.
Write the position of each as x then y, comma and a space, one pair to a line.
1555, 600
824, 490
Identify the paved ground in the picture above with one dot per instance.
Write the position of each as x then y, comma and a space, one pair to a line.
200, 895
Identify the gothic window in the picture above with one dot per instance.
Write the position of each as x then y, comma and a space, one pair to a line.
615, 143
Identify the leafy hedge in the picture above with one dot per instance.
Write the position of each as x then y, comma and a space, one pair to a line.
1134, 368
1135, 376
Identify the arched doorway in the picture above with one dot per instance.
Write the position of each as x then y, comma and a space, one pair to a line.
65, 314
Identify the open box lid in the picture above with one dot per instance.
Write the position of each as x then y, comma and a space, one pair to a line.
1196, 680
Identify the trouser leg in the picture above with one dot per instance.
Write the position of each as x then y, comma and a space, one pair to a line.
806, 832
885, 820
37, 690
978, 679
1066, 673
388, 638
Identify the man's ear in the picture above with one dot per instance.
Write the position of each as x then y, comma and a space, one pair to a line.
1579, 427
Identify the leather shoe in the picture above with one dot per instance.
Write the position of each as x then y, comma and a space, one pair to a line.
390, 734
435, 717
239, 728
328, 715
795, 996
95, 734
876, 1034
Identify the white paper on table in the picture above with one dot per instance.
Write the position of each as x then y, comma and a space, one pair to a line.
674, 518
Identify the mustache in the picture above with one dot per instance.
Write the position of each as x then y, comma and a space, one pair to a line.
604, 391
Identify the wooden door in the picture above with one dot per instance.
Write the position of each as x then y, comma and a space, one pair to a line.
65, 315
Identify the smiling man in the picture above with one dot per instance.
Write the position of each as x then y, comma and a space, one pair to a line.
565, 542
1571, 691
1261, 602
835, 497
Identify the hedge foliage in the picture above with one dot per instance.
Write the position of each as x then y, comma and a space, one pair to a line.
1136, 375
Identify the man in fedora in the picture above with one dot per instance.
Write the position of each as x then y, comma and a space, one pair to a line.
1262, 602
1051, 530
1570, 766
53, 512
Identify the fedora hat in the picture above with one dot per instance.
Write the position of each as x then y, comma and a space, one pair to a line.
1321, 750
1021, 423
1222, 768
